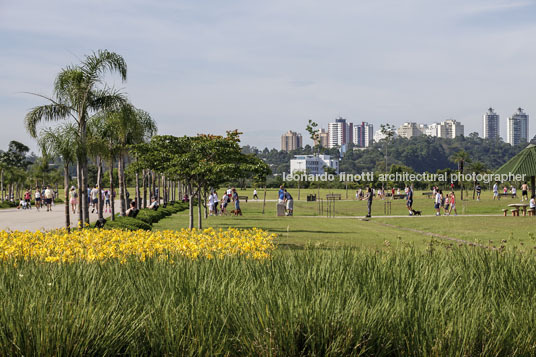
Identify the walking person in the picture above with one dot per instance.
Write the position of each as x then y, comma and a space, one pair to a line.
107, 207
49, 195
94, 199
37, 198
28, 199
446, 206
237, 210
73, 198
409, 201
369, 201
478, 189
524, 191
496, 191
437, 202
255, 194
216, 202
210, 204
453, 204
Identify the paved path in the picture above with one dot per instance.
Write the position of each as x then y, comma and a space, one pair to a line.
33, 220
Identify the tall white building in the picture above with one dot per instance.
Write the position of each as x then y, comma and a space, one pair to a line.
363, 134
491, 125
409, 130
313, 164
517, 127
339, 133
453, 128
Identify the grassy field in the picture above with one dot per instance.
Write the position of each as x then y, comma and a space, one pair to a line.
307, 228
461, 301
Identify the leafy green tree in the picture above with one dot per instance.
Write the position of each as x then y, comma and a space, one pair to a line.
79, 91
314, 134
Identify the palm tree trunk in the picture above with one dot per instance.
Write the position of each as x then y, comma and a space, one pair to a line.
100, 202
138, 190
159, 189
85, 202
199, 213
80, 197
121, 185
66, 189
144, 180
112, 198
2, 184
190, 208
205, 203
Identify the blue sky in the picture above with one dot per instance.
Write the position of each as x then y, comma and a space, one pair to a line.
265, 67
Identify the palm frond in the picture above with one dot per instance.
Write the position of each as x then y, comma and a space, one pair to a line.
48, 112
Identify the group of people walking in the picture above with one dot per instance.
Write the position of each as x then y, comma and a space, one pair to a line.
43, 198
444, 202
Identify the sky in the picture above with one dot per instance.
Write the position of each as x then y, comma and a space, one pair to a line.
265, 67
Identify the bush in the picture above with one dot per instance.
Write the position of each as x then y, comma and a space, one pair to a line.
7, 204
129, 223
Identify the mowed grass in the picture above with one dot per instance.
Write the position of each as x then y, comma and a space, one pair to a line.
350, 229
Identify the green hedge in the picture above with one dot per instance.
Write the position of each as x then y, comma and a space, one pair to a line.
145, 218
8, 204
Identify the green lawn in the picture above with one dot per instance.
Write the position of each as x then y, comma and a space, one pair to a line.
307, 229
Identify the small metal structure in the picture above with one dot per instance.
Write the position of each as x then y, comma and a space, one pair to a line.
387, 208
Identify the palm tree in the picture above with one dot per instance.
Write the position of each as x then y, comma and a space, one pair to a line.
79, 91
460, 158
128, 126
61, 142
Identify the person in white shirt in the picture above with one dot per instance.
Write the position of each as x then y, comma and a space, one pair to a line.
94, 198
255, 194
215, 202
532, 202
496, 191
211, 204
48, 198
437, 204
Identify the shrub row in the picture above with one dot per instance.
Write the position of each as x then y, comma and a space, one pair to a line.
145, 218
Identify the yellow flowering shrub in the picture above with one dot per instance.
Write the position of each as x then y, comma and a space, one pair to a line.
99, 245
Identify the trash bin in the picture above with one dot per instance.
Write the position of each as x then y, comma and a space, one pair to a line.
280, 209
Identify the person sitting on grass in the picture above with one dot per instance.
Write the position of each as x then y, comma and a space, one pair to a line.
154, 204
133, 210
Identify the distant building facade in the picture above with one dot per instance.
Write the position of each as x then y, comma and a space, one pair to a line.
313, 164
517, 127
491, 125
363, 135
323, 138
340, 133
409, 130
291, 141
378, 135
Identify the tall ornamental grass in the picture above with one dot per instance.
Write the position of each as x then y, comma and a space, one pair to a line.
463, 301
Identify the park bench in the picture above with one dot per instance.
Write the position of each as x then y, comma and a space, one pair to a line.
515, 212
505, 211
428, 194
507, 194
311, 198
243, 198
333, 196
531, 211
399, 196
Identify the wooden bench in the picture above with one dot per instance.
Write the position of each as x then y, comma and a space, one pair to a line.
333, 196
505, 211
515, 212
243, 198
399, 196
531, 211
507, 194
428, 194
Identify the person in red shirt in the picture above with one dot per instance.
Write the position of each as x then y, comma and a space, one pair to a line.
453, 204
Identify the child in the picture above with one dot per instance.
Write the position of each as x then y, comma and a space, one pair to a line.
446, 208
453, 204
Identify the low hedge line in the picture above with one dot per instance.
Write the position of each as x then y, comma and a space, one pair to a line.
7, 204
145, 218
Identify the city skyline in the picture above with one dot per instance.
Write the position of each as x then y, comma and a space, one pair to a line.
370, 61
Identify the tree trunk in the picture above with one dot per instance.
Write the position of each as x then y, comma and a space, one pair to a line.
144, 181
100, 202
125, 188
159, 189
85, 203
199, 204
79, 182
532, 182
205, 203
138, 203
299, 190
66, 189
121, 185
264, 199
2, 184
112, 198
190, 208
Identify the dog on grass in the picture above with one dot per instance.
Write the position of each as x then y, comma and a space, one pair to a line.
237, 212
416, 213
